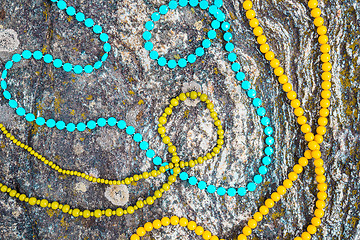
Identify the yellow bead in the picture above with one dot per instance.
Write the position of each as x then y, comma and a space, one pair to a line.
307, 154
206, 235
264, 48
183, 222
12, 193
322, 121
302, 120
22, 197
320, 204
134, 237
313, 145
166, 187
275, 196
319, 171
325, 57
246, 231
141, 231
165, 221
321, 130
65, 208
168, 111
258, 216
298, 168
174, 220
269, 56
305, 128
191, 225
172, 149
258, 31
149, 200
303, 161
182, 96
261, 39
309, 136
322, 187
264, 210
298, 112
316, 154
76, 212
210, 106
108, 212
86, 213
242, 237
319, 213
32, 201
315, 221
323, 39
193, 95
319, 139
148, 226
199, 230
294, 103
298, 238
203, 97
283, 79
291, 95
326, 85
269, 203
325, 48
254, 23
325, 94
319, 21
157, 224
44, 203
252, 223
321, 30
325, 103
312, 4
306, 236
321, 195
97, 213
311, 229
292, 176
281, 190
162, 120
145, 175
174, 102
274, 63
247, 5
250, 14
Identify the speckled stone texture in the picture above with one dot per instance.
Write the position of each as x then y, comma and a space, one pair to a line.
132, 87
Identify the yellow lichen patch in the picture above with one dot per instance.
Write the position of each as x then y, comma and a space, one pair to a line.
37, 73
354, 220
141, 102
44, 50
216, 71
232, 16
90, 97
74, 48
51, 212
83, 115
186, 114
58, 36
224, 178
72, 112
131, 92
63, 223
57, 102
49, 186
69, 18
177, 56
82, 139
2, 144
277, 214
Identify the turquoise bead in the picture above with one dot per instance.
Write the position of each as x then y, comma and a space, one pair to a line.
263, 170
97, 29
218, 3
157, 161
232, 57
89, 22
172, 64
191, 58
149, 46
199, 51
231, 192
215, 24
228, 36
78, 69
269, 141
81, 127
112, 121
3, 84
268, 131
26, 54
67, 67
211, 189
202, 185
192, 180
182, 62
184, 176
48, 58
269, 151
183, 3
206, 43
101, 122
240, 76
204, 5
16, 58
221, 191
91, 124
220, 16
162, 61
50, 123
37, 55
3, 76
40, 121
137, 137
88, 69
70, 11
30, 117
213, 9
155, 16
70, 127
251, 186
173, 5
146, 35
7, 95
60, 125
225, 26
9, 64
98, 65
144, 145
251, 93
257, 102
150, 153
61, 5
104, 57
80, 16
121, 124
261, 111
57, 63
258, 179
163, 9
149, 25
235, 67
229, 47
245, 85
154, 55
104, 37
266, 160
13, 104
242, 191
130, 130
211, 34
107, 47
265, 121
193, 3
20, 111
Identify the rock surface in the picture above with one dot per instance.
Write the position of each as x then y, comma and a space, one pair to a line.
133, 87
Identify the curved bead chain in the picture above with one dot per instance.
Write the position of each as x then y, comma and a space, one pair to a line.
314, 141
